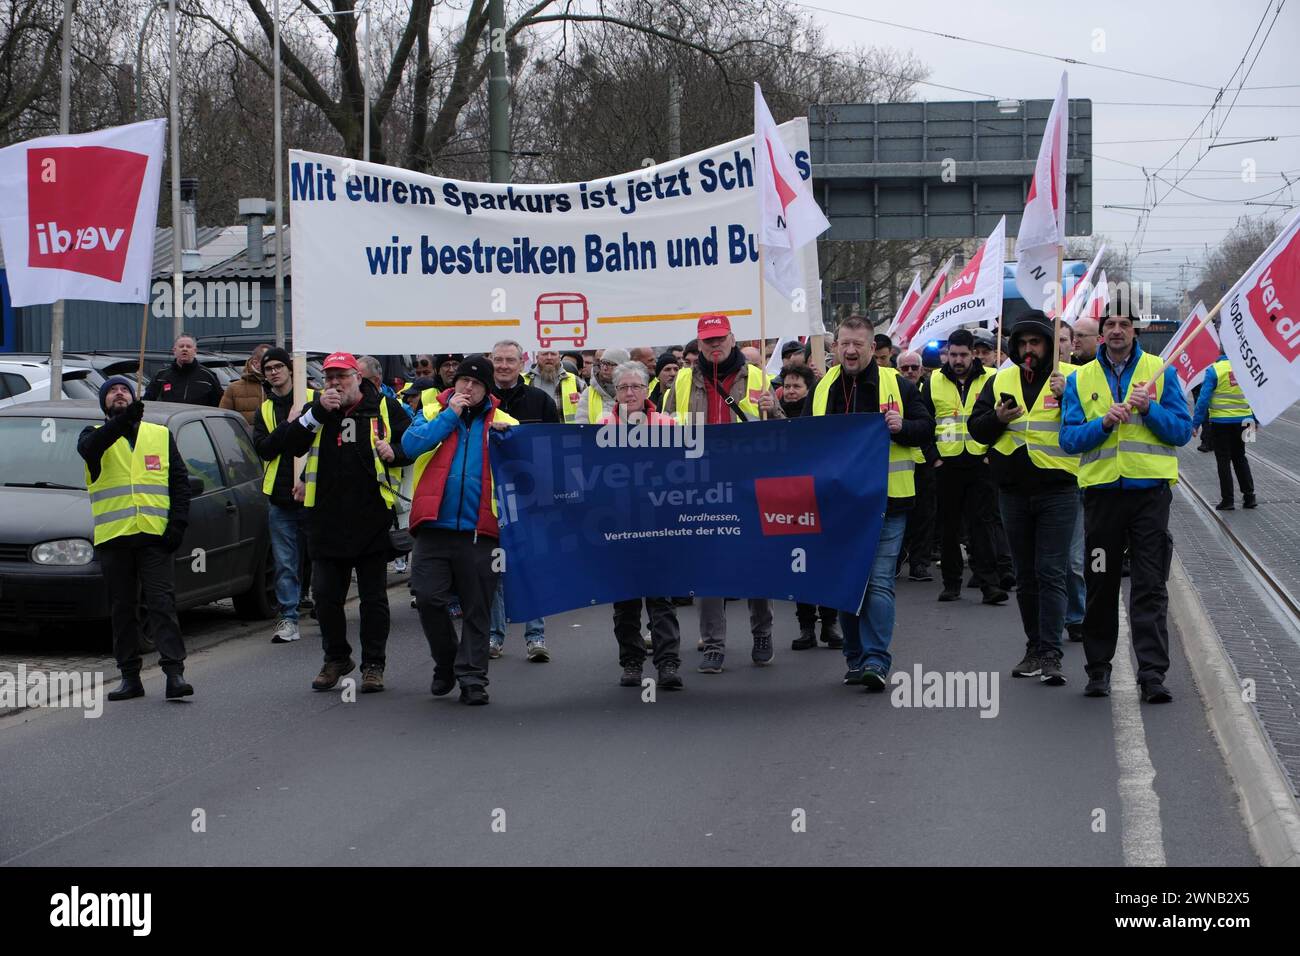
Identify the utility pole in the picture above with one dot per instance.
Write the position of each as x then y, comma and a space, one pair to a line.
279, 192
174, 122
498, 94
65, 112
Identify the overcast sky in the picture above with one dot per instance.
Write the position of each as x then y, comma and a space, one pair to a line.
1199, 41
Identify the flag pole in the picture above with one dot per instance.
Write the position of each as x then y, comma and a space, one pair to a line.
1060, 307
139, 369
762, 323
65, 103
1173, 356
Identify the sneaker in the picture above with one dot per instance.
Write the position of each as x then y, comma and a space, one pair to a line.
1075, 632
537, 652
853, 676
762, 653
920, 574
286, 631
669, 679
1029, 667
1050, 672
1248, 501
995, 596
874, 678
712, 663
631, 676
495, 649
1098, 685
474, 694
830, 635
806, 640
329, 674
372, 679
399, 565
1154, 692
950, 594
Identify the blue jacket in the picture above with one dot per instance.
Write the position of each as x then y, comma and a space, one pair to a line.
1168, 418
1208, 386
460, 498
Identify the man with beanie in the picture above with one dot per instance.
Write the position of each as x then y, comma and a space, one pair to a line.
351, 435
1018, 416
140, 501
285, 515
454, 521
720, 389
666, 367
595, 402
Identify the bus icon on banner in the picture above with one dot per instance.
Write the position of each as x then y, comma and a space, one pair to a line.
561, 317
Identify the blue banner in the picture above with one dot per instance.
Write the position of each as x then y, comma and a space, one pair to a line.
592, 514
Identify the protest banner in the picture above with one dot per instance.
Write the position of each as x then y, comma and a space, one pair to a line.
789, 510
386, 260
1198, 355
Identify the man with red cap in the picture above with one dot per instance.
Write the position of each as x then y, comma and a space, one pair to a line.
722, 388
352, 437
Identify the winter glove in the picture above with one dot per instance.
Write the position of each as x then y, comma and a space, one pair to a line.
134, 412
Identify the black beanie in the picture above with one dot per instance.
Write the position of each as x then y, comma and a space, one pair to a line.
274, 354
665, 360
479, 368
109, 383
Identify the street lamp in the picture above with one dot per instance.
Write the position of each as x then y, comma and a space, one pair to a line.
1008, 107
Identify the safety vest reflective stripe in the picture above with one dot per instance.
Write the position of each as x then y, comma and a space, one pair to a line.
755, 381
903, 464
1038, 431
1138, 447
272, 466
384, 477
951, 433
901, 470
1228, 400
131, 494
1131, 450
106, 517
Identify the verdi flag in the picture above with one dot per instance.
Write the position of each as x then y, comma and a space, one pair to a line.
1042, 228
976, 295
921, 307
909, 300
1200, 354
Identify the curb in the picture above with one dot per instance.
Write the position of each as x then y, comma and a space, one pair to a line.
1268, 807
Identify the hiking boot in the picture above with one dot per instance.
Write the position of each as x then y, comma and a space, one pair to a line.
286, 631
474, 695
950, 594
372, 679
712, 663
762, 653
669, 679
807, 638
537, 652
329, 674
1050, 672
631, 676
874, 678
1075, 632
494, 649
129, 688
1029, 667
831, 635
1098, 685
1248, 501
1154, 692
995, 596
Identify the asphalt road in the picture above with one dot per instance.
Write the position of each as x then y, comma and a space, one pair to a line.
577, 770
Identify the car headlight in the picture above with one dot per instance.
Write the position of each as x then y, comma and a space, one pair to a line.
66, 551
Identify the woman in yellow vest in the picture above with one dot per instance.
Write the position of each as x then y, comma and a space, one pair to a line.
140, 500
1224, 404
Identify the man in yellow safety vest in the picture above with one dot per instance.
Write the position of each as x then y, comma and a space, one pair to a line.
1223, 404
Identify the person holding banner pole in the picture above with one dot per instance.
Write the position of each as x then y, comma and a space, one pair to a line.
857, 385
1125, 415
720, 389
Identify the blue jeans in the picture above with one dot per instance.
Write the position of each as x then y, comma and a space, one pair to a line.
867, 636
288, 528
1076, 598
534, 630
1040, 529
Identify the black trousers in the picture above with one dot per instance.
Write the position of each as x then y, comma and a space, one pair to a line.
665, 633
807, 614
968, 492
918, 540
447, 565
1230, 456
1139, 520
330, 580
135, 575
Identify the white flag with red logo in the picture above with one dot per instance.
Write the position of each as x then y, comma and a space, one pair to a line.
1080, 295
919, 309
909, 300
1199, 355
1042, 228
77, 214
1260, 326
788, 216
1098, 299
976, 295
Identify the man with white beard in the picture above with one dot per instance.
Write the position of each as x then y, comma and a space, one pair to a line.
562, 385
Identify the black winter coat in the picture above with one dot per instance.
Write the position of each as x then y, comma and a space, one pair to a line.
189, 384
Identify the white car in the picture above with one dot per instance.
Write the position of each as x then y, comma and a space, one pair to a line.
22, 382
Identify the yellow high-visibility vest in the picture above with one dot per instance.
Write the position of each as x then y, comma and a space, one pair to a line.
951, 414
130, 495
1228, 400
569, 395
431, 409
385, 477
755, 382
902, 459
268, 416
1039, 429
1130, 450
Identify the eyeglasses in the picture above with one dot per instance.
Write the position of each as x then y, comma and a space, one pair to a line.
629, 387
609, 365
908, 368
274, 367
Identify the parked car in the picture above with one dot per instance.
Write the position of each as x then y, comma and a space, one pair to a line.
22, 382
48, 572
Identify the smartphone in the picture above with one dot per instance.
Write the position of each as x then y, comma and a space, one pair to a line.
1008, 399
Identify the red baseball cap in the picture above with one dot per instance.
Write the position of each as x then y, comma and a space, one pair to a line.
341, 360
712, 325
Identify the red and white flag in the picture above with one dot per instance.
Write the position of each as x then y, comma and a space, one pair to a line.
909, 300
1042, 228
913, 318
1260, 326
77, 214
1098, 299
976, 295
1199, 355
1080, 295
788, 216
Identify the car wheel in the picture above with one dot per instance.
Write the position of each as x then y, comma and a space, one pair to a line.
258, 602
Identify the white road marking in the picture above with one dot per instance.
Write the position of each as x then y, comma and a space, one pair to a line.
1141, 835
